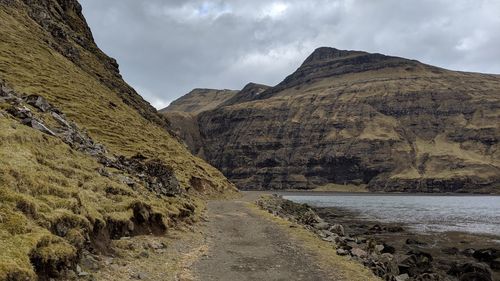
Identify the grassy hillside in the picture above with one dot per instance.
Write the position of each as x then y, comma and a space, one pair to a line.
53, 199
349, 117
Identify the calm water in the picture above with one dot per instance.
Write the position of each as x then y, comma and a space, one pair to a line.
475, 214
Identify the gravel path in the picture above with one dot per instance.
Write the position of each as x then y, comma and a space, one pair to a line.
245, 246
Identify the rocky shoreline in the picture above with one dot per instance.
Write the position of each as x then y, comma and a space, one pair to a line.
390, 250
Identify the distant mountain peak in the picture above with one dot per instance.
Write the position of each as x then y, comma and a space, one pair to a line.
328, 54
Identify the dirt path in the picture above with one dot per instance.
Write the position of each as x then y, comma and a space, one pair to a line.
244, 246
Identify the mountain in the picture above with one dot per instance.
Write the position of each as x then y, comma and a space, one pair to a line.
199, 100
83, 158
183, 113
356, 118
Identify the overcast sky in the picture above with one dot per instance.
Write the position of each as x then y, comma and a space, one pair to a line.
166, 48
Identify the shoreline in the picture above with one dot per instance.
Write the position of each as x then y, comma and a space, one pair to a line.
393, 249
341, 193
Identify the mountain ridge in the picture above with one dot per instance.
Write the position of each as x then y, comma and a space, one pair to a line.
350, 117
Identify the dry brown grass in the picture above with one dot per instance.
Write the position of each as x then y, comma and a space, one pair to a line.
43, 181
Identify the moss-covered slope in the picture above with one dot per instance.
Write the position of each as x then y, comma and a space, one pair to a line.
57, 198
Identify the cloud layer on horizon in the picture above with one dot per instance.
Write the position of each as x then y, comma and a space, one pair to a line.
166, 48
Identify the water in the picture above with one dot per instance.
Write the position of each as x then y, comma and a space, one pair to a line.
474, 214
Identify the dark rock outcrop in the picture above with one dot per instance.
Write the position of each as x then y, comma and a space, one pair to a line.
349, 117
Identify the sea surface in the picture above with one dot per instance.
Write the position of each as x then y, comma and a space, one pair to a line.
423, 213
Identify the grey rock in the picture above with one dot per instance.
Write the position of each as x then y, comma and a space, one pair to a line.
342, 252
338, 229
20, 112
37, 125
60, 119
321, 225
402, 277
357, 252
39, 102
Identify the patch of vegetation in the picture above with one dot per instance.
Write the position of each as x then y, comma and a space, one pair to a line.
53, 200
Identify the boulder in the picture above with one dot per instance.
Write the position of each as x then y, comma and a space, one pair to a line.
402, 277
486, 255
379, 248
471, 272
20, 112
468, 252
357, 252
38, 102
321, 225
325, 233
342, 252
37, 125
415, 263
388, 249
337, 229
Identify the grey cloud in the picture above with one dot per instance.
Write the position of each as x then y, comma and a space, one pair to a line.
166, 48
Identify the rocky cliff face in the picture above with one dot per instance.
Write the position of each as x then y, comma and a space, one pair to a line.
349, 117
84, 160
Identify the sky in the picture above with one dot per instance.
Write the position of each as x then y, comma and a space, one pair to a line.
166, 48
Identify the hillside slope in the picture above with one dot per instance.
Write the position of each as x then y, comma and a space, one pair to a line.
350, 117
83, 158
199, 100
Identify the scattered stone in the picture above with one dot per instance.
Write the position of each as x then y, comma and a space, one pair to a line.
388, 249
61, 120
325, 233
411, 241
376, 228
89, 262
416, 262
342, 252
80, 272
38, 102
402, 277
37, 125
156, 245
379, 248
468, 252
144, 254
450, 251
337, 229
471, 272
21, 112
357, 252
486, 255
321, 225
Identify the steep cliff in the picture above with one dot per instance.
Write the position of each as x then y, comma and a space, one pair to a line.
350, 117
83, 158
